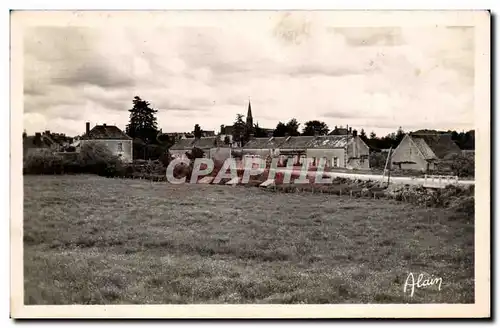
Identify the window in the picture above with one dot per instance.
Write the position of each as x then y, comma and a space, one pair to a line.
120, 147
335, 162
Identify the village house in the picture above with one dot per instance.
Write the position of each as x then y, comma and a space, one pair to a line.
263, 147
213, 147
342, 151
422, 151
295, 148
115, 139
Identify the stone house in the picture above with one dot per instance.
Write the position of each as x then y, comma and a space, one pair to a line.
422, 151
115, 139
295, 148
341, 151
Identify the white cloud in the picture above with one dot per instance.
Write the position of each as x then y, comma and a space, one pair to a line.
290, 66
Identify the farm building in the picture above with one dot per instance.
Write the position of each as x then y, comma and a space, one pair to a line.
115, 139
345, 151
213, 147
263, 147
296, 148
421, 151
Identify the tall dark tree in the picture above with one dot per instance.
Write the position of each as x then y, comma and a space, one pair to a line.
362, 135
197, 131
239, 129
315, 127
293, 127
400, 134
373, 135
142, 123
280, 130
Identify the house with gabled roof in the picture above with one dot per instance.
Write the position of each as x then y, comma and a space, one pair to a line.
116, 140
422, 151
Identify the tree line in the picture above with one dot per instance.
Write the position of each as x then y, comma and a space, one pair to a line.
150, 142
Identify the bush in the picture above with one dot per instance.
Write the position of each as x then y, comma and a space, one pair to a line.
93, 158
377, 160
96, 158
42, 161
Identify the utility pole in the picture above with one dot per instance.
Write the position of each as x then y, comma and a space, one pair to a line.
390, 166
386, 165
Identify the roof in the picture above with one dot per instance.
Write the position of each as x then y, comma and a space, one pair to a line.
339, 131
329, 142
207, 142
202, 143
424, 148
299, 142
440, 144
106, 132
265, 143
183, 144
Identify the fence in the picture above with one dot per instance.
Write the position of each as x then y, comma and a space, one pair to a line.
439, 181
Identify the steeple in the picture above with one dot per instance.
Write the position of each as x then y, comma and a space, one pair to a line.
249, 115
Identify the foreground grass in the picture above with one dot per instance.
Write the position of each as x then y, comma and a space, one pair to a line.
91, 240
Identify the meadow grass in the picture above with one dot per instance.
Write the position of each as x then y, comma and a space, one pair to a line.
92, 240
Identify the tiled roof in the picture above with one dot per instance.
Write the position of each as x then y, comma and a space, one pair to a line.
202, 143
329, 142
208, 142
183, 144
265, 143
424, 148
299, 142
106, 132
441, 144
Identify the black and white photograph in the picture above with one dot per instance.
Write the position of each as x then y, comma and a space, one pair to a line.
250, 158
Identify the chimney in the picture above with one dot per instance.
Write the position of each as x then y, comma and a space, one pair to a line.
347, 127
354, 132
87, 128
350, 130
222, 129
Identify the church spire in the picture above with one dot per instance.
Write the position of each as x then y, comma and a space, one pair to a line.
249, 115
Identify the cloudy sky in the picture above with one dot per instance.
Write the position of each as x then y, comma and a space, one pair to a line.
294, 65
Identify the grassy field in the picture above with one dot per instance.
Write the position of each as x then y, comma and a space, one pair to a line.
92, 240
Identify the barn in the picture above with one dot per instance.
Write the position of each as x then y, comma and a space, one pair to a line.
422, 151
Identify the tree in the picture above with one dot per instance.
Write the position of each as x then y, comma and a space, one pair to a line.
400, 134
197, 131
362, 135
280, 130
142, 123
292, 127
259, 132
373, 135
239, 129
315, 127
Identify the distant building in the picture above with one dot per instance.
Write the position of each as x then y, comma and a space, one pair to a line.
228, 130
421, 151
340, 131
342, 151
213, 147
53, 141
115, 139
